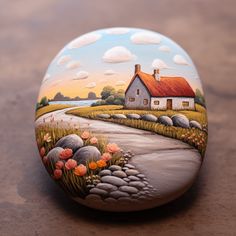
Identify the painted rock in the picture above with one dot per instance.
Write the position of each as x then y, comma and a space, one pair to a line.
121, 121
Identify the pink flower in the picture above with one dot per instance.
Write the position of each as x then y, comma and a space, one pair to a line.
42, 151
70, 164
66, 153
106, 156
85, 135
59, 164
47, 138
112, 148
93, 140
57, 174
80, 170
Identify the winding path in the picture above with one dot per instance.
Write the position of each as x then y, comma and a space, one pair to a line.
170, 165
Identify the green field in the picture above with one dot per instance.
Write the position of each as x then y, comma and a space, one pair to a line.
194, 137
49, 108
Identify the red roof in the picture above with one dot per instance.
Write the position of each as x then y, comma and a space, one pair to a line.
167, 86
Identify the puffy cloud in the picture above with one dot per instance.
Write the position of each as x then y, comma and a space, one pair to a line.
46, 77
118, 54
109, 72
159, 64
120, 83
81, 75
180, 60
84, 40
72, 65
164, 48
91, 85
145, 38
63, 60
117, 30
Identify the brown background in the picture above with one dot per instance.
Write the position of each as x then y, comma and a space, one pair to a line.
31, 33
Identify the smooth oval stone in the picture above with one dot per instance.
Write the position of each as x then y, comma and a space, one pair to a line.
121, 123
165, 120
87, 154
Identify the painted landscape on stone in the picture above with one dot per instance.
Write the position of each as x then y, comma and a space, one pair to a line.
121, 117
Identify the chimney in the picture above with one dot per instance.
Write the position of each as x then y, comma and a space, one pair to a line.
156, 74
137, 68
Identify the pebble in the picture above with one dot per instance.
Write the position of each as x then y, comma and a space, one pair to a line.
90, 186
113, 180
135, 195
106, 187
130, 166
131, 172
110, 199
145, 182
134, 178
126, 179
93, 197
125, 168
137, 184
105, 172
125, 199
114, 168
128, 189
145, 188
117, 194
119, 173
98, 191
141, 176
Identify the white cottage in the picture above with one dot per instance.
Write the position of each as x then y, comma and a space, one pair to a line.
147, 91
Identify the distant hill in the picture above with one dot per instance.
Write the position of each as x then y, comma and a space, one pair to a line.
60, 97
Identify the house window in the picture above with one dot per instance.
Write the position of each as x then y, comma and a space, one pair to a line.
156, 102
145, 101
131, 99
185, 104
137, 91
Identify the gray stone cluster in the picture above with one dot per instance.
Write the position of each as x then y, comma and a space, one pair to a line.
178, 120
81, 153
121, 184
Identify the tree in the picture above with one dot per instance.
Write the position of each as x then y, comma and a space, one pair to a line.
107, 91
59, 97
199, 98
92, 95
44, 101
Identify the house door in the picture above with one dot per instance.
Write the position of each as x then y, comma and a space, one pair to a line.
169, 104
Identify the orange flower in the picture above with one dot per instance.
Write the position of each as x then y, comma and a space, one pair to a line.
57, 174
42, 151
112, 148
85, 135
80, 170
93, 140
92, 165
70, 164
106, 156
101, 163
66, 154
59, 164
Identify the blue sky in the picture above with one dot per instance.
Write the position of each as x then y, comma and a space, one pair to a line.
116, 50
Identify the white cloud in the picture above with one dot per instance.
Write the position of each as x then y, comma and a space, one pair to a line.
109, 72
91, 85
118, 54
117, 30
46, 77
120, 83
159, 64
72, 65
145, 38
164, 48
180, 60
84, 40
81, 75
63, 60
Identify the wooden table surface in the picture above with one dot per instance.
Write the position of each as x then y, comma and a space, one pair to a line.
31, 33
